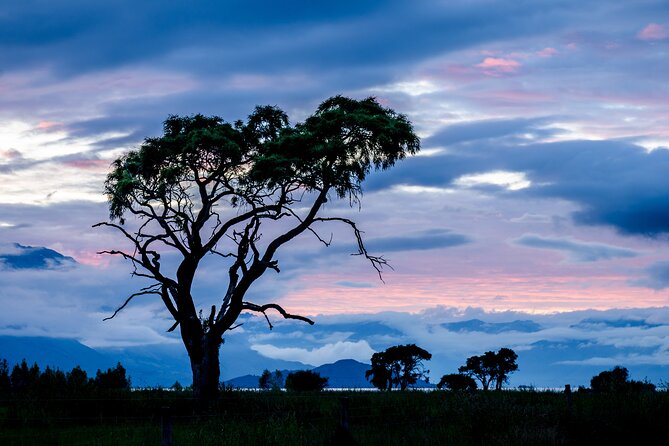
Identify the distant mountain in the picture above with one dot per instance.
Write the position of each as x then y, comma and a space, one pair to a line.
16, 256
345, 373
523, 326
600, 324
64, 354
147, 365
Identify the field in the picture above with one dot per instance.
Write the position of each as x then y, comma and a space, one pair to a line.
373, 418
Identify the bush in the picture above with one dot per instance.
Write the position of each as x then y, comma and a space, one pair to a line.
305, 381
617, 381
457, 382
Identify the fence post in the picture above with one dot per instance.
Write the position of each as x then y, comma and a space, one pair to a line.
343, 420
567, 394
166, 426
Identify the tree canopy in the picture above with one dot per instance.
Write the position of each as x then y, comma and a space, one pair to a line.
491, 368
209, 188
305, 381
398, 366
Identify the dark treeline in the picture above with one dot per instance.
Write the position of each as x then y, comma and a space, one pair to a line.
29, 381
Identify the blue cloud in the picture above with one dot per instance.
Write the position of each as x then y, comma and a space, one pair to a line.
577, 251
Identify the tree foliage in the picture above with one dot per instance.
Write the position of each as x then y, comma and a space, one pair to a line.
491, 368
238, 192
305, 381
398, 366
457, 382
617, 381
271, 380
27, 380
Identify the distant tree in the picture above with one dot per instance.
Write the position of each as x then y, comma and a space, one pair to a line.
112, 379
457, 382
491, 368
177, 387
51, 382
305, 381
398, 366
78, 382
24, 379
271, 380
208, 190
617, 381
5, 382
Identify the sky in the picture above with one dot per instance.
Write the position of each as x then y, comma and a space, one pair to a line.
541, 185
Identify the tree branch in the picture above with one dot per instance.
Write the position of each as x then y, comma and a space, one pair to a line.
263, 308
144, 291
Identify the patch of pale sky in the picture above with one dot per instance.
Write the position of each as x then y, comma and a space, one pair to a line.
508, 180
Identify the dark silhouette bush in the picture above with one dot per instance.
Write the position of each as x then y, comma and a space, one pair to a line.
617, 381
305, 381
457, 382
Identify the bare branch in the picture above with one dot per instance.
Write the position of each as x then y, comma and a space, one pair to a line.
132, 296
378, 262
263, 308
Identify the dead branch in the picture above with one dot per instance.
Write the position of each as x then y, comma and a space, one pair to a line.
263, 308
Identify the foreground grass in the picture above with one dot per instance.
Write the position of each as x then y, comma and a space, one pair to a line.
408, 418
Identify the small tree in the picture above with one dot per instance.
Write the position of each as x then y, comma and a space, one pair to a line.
457, 382
208, 190
617, 381
271, 380
305, 381
5, 382
399, 366
491, 368
112, 379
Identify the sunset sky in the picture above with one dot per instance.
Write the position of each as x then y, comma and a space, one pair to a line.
542, 185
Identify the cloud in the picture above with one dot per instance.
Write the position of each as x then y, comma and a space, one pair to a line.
420, 241
576, 251
497, 65
360, 351
652, 32
657, 276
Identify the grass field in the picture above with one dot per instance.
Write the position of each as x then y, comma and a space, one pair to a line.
374, 418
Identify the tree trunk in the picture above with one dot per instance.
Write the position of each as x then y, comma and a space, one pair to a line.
205, 366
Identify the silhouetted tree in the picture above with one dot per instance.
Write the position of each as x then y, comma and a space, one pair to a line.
112, 379
457, 382
305, 381
177, 387
51, 382
78, 382
24, 379
617, 381
491, 368
210, 189
5, 382
271, 380
399, 366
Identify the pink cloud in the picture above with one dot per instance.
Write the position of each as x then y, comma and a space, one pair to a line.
547, 52
653, 31
494, 65
11, 154
46, 125
93, 164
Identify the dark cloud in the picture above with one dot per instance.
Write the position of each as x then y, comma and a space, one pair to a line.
577, 251
434, 239
616, 183
656, 276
